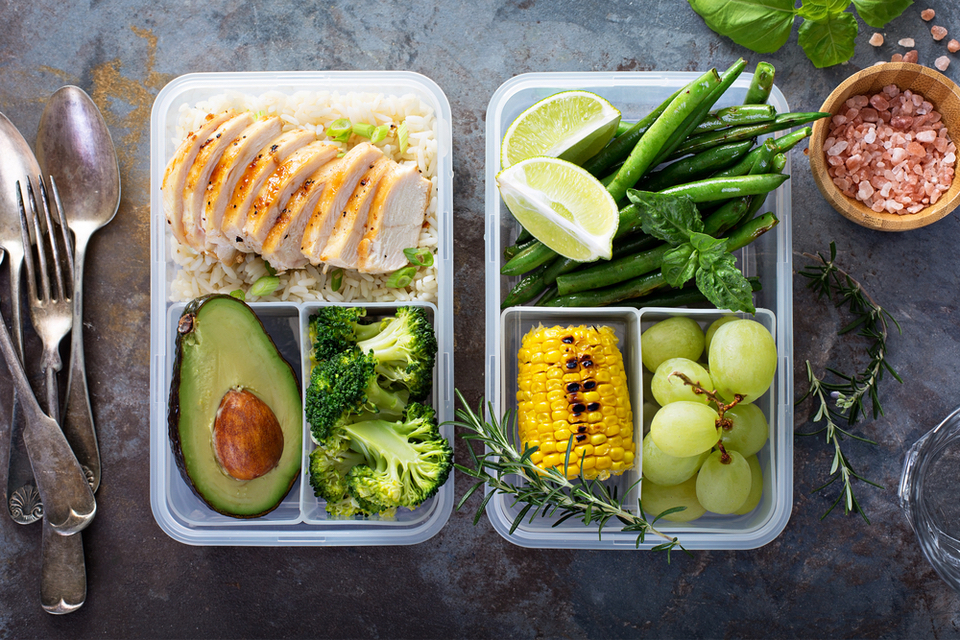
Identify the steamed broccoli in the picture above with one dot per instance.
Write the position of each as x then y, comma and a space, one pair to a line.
405, 345
384, 466
347, 385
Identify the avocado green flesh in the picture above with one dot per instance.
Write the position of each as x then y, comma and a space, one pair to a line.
227, 349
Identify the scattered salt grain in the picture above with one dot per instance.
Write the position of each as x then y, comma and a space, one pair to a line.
938, 32
876, 39
890, 151
911, 56
906, 42
953, 46
928, 14
942, 63
897, 57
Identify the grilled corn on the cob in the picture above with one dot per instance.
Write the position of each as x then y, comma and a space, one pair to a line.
572, 385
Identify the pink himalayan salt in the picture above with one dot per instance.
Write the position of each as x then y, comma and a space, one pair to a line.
897, 57
876, 39
942, 63
928, 14
894, 155
911, 56
953, 46
938, 32
906, 42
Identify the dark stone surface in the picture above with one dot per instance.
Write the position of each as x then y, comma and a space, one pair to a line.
838, 577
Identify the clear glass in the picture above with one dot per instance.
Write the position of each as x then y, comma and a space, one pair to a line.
929, 486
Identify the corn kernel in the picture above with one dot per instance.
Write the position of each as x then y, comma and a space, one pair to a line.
604, 463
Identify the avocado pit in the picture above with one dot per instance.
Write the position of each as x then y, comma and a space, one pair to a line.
247, 437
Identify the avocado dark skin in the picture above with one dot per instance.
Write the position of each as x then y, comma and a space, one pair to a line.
231, 382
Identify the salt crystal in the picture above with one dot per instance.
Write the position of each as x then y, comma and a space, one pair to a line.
897, 57
953, 46
942, 63
879, 102
871, 136
838, 148
926, 136
928, 14
938, 32
906, 42
876, 39
911, 56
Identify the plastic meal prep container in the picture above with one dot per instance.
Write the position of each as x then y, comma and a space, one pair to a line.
769, 258
300, 520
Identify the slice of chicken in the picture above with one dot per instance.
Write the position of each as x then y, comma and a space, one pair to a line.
224, 180
282, 246
395, 219
256, 174
341, 249
176, 171
356, 162
278, 188
198, 178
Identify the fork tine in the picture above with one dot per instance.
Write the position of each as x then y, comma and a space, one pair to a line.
41, 252
52, 236
64, 229
26, 223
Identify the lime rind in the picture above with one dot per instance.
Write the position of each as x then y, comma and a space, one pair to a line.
572, 125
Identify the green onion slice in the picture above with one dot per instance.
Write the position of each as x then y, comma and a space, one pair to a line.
265, 286
401, 277
336, 279
421, 257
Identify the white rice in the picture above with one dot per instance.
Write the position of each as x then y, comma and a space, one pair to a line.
200, 274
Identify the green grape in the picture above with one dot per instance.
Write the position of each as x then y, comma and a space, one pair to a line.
676, 337
748, 429
668, 388
656, 499
723, 483
683, 429
712, 329
667, 470
756, 487
743, 359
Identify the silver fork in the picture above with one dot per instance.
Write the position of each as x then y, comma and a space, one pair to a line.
51, 307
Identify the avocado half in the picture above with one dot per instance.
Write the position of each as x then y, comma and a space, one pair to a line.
235, 409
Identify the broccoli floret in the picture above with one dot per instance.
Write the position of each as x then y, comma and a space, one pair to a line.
385, 465
406, 462
406, 349
345, 386
334, 329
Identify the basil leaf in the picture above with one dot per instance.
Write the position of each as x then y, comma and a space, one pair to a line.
877, 13
709, 249
761, 25
679, 264
828, 42
725, 287
820, 9
669, 218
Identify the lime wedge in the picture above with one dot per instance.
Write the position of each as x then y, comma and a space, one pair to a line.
562, 205
572, 125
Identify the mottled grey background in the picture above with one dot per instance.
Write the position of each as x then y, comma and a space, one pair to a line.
838, 578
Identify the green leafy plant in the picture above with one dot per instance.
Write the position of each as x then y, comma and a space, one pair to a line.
850, 393
827, 33
695, 255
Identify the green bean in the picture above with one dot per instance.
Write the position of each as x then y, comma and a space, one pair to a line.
711, 189
623, 127
738, 115
547, 297
612, 272
632, 244
761, 85
620, 147
523, 236
727, 216
527, 289
783, 144
680, 134
528, 259
750, 230
704, 141
685, 297
517, 247
640, 159
697, 166
633, 288
789, 141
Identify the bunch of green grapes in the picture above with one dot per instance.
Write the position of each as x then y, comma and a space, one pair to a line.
701, 452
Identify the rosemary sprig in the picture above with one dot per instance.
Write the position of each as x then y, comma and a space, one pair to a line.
543, 493
851, 391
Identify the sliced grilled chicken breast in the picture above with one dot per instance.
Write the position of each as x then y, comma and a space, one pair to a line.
256, 174
341, 249
332, 203
224, 180
175, 174
282, 246
394, 221
198, 178
278, 188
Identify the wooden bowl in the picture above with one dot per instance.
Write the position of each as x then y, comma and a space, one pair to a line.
934, 87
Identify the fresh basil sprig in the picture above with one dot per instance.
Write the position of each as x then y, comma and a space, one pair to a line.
695, 255
826, 35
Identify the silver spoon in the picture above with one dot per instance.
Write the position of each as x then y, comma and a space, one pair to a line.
74, 146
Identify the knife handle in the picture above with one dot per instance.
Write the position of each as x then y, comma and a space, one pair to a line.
77, 420
63, 573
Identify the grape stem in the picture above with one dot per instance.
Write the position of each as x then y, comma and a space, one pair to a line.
722, 407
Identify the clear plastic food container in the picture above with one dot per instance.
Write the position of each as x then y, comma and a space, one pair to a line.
768, 258
300, 520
